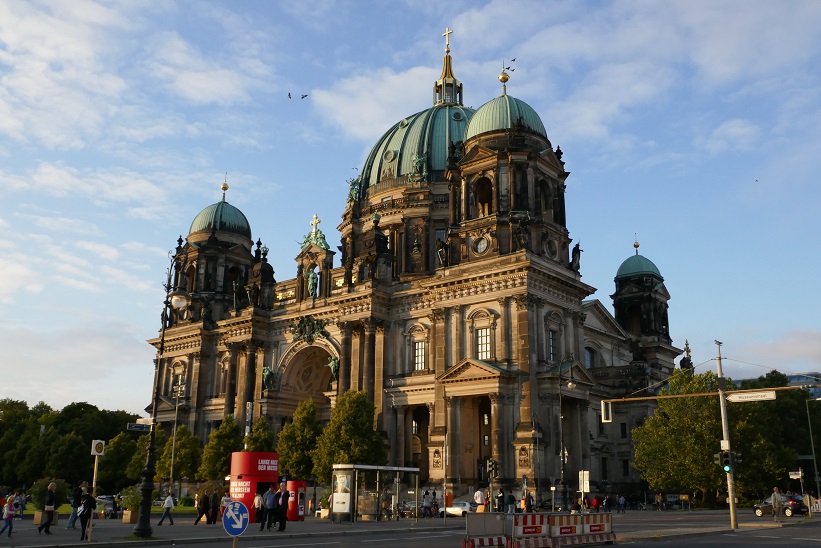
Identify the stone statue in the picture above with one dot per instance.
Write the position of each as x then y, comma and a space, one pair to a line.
442, 252
268, 378
333, 363
312, 282
353, 189
577, 255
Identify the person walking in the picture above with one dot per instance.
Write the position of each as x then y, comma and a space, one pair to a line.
282, 507
214, 503
167, 505
75, 504
203, 508
269, 501
9, 512
48, 509
622, 503
86, 512
224, 502
259, 507
500, 500
778, 504
511, 502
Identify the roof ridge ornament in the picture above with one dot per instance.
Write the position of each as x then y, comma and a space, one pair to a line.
447, 90
224, 186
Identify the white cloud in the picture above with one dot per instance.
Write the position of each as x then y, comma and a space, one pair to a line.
731, 135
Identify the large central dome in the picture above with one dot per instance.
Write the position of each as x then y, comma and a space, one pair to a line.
416, 142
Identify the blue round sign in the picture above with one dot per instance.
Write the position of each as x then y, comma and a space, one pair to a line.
235, 518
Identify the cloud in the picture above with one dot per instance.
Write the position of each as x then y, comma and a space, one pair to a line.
734, 134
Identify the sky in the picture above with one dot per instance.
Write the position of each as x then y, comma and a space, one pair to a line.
692, 126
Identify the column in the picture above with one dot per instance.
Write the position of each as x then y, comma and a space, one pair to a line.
454, 470
522, 333
502, 332
437, 319
495, 427
230, 381
407, 436
398, 447
380, 372
368, 367
344, 358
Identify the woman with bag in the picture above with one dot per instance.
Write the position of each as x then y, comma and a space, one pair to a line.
86, 512
48, 509
9, 511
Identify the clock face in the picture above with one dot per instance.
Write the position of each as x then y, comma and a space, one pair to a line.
481, 245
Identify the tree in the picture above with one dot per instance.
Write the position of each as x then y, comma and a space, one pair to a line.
261, 437
297, 441
216, 457
118, 454
135, 467
349, 437
187, 455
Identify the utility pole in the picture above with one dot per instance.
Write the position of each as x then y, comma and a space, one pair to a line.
725, 443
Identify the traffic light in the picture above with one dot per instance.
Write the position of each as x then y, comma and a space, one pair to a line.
726, 461
735, 459
493, 468
717, 458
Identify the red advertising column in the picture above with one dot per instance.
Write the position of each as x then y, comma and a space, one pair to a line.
296, 504
252, 473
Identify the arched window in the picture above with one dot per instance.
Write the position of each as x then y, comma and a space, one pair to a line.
482, 329
484, 197
417, 339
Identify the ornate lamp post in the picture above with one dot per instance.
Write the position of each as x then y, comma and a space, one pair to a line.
562, 449
179, 391
812, 446
174, 300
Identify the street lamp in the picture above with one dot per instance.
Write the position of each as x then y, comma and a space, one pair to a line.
174, 300
812, 446
562, 449
179, 391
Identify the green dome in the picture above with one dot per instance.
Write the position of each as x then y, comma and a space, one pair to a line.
221, 217
427, 133
637, 265
502, 113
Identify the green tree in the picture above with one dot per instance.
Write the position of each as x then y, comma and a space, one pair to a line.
187, 455
297, 441
118, 454
135, 466
349, 437
216, 457
261, 437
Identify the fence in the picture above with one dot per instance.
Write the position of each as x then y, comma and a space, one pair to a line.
537, 530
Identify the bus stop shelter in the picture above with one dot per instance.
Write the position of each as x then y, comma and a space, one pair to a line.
369, 492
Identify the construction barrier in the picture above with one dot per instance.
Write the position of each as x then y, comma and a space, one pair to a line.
485, 529
537, 530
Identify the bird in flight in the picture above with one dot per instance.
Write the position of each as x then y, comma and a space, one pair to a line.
304, 96
513, 60
289, 95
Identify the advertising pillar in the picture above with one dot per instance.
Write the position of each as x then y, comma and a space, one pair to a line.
252, 473
296, 504
342, 501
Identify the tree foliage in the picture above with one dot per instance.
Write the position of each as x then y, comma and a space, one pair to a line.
135, 467
118, 453
349, 437
675, 448
261, 437
216, 457
187, 455
297, 441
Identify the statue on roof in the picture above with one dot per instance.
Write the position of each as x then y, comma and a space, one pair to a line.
576, 258
333, 363
315, 236
353, 189
312, 281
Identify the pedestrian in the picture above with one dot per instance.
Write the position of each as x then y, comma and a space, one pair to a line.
9, 512
282, 506
21, 498
269, 500
500, 500
778, 504
85, 512
167, 505
75, 504
226, 500
529, 502
511, 502
203, 508
479, 497
426, 504
48, 509
596, 504
659, 502
622, 503
214, 503
259, 507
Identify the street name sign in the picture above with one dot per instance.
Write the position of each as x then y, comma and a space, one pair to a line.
760, 395
137, 427
235, 518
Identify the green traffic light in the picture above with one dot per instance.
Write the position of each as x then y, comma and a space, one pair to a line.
726, 467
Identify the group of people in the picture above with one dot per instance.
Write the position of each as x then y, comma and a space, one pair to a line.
272, 507
209, 506
430, 504
13, 506
83, 506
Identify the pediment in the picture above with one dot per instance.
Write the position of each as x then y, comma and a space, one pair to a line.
572, 370
477, 153
471, 369
599, 319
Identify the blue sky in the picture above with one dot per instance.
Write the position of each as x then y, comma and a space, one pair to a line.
695, 125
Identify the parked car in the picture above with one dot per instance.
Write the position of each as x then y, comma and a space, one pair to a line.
458, 509
793, 504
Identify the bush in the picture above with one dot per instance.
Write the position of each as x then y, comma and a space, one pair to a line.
131, 497
186, 501
39, 488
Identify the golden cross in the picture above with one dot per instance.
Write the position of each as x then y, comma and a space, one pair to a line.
314, 223
447, 34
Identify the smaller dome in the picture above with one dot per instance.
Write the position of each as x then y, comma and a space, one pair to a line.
502, 113
221, 217
637, 265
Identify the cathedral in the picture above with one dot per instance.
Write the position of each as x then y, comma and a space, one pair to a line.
455, 301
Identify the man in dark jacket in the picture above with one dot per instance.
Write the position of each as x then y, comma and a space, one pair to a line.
203, 507
215, 504
282, 506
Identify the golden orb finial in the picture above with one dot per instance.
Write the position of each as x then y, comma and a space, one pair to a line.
224, 187
504, 77
636, 246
